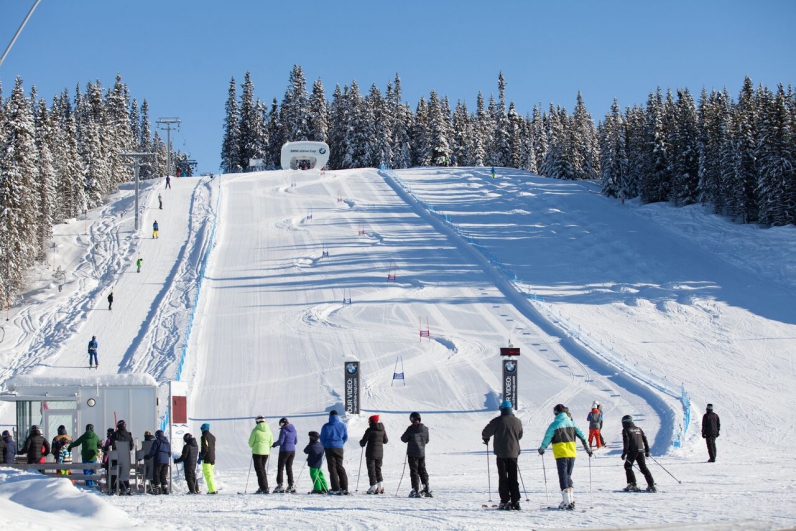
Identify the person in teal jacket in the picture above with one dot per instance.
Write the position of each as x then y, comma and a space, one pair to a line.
562, 432
260, 442
90, 450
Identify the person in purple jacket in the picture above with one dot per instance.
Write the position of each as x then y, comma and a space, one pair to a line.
334, 435
287, 451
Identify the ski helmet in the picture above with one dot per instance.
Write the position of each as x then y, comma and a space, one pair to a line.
259, 419
710, 407
282, 421
374, 419
121, 424
559, 408
205, 427
414, 416
627, 419
187, 437
506, 405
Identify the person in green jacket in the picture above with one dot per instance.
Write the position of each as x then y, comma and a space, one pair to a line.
562, 432
89, 452
260, 442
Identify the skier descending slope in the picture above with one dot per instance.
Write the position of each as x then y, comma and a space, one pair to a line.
416, 437
562, 433
507, 430
635, 447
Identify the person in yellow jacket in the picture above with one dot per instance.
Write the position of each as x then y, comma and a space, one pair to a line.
260, 442
562, 433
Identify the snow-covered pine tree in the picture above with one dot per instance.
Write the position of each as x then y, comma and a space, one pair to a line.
360, 134
70, 169
249, 125
337, 128
635, 147
403, 122
613, 158
18, 170
381, 150
539, 135
514, 137
274, 133
318, 113
118, 134
295, 107
461, 143
746, 137
262, 113
528, 152
587, 163
144, 139
713, 113
776, 156
46, 179
437, 132
421, 152
654, 184
230, 148
684, 150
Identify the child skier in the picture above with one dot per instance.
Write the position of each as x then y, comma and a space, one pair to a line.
595, 422
375, 438
60, 449
314, 451
416, 437
635, 448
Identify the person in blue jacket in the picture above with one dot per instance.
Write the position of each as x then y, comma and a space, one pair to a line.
287, 452
161, 453
92, 352
334, 435
9, 448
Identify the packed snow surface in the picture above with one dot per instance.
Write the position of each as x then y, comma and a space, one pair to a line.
262, 285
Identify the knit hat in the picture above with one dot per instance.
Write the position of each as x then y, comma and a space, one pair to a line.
158, 433
314, 435
374, 419
333, 412
148, 432
205, 427
506, 405
61, 430
559, 408
710, 407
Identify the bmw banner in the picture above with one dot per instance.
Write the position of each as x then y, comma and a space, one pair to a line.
352, 387
510, 381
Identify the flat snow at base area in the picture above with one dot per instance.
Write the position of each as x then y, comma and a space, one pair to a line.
609, 302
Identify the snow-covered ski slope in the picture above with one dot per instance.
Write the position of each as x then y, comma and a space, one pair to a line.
589, 289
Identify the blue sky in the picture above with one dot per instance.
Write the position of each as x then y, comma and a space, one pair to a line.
180, 55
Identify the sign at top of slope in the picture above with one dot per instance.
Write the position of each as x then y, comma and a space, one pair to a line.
304, 155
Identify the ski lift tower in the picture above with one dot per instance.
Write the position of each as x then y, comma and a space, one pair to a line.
137, 158
166, 124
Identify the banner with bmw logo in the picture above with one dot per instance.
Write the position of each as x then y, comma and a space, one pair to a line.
352, 387
510, 381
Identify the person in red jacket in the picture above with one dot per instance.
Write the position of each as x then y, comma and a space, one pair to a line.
595, 417
710, 431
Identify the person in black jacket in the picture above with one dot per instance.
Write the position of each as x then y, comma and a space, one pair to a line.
190, 452
416, 437
710, 431
121, 435
161, 453
635, 448
507, 430
375, 438
36, 446
207, 457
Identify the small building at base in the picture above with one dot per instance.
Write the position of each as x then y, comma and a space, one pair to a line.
49, 402
304, 155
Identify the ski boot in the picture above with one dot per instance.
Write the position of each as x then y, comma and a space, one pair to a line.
379, 488
631, 487
426, 493
515, 506
290, 489
279, 489
651, 488
414, 494
344, 492
334, 492
373, 490
504, 506
155, 491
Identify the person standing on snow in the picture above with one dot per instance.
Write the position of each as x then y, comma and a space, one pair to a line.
207, 457
160, 451
314, 451
9, 448
138, 264
122, 435
260, 442
562, 432
36, 446
595, 422
334, 435
190, 452
507, 430
710, 431
635, 448
287, 452
375, 438
160, 201
110, 301
416, 437
168, 182
59, 449
155, 229
89, 452
92, 352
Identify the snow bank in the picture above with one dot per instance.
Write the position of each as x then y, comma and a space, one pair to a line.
32, 501
102, 380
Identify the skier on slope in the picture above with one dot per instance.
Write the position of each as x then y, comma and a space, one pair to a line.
260, 442
190, 452
314, 451
334, 435
562, 432
155, 229
416, 437
287, 452
207, 457
160, 201
92, 352
710, 431
507, 430
595, 422
138, 264
375, 438
635, 448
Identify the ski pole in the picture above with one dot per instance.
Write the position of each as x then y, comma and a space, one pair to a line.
521, 481
249, 474
488, 473
362, 453
546, 496
591, 496
406, 457
664, 468
300, 473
